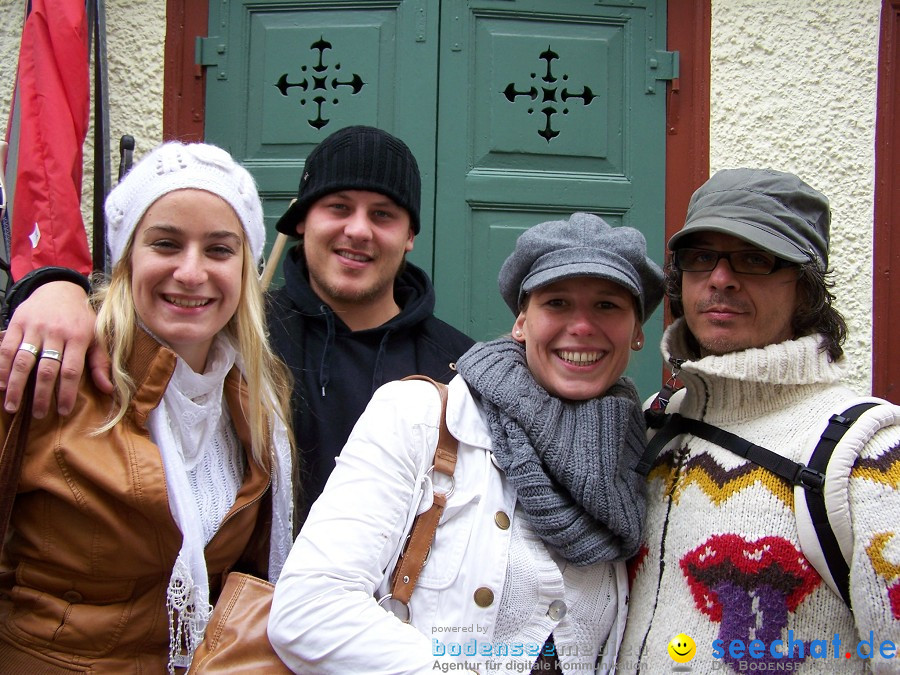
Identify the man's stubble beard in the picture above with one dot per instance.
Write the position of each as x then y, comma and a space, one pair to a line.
338, 295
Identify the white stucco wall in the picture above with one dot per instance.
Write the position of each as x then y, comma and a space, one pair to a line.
10, 31
136, 33
794, 88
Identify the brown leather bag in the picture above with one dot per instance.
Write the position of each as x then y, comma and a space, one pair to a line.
236, 639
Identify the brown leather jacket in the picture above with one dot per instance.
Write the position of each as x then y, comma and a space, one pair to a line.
92, 541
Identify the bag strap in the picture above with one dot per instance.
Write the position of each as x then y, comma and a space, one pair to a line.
415, 552
11, 457
815, 502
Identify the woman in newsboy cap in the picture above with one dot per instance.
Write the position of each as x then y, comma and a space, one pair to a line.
526, 569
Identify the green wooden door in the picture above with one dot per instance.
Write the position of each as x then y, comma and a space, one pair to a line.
518, 111
283, 75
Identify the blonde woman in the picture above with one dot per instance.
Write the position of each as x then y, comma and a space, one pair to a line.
130, 509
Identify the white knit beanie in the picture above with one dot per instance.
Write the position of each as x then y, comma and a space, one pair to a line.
176, 166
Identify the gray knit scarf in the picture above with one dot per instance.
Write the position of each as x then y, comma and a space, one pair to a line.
571, 462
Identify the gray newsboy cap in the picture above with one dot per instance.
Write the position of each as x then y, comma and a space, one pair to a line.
772, 210
582, 246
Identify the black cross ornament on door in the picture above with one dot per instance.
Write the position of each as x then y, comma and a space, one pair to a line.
548, 94
320, 88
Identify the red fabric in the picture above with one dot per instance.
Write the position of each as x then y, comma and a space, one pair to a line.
53, 92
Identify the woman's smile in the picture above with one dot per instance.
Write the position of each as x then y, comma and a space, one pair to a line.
578, 334
187, 264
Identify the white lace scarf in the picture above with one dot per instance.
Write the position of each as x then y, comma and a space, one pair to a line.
183, 426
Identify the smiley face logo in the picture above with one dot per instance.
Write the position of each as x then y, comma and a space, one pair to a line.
682, 648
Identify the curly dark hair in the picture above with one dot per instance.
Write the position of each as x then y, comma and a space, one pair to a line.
815, 313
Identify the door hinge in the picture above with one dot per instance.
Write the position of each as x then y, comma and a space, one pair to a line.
661, 65
210, 51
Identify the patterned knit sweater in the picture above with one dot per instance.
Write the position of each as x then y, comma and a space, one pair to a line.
722, 561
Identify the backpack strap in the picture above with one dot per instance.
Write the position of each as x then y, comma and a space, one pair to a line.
668, 428
655, 412
828, 560
415, 552
834, 560
675, 425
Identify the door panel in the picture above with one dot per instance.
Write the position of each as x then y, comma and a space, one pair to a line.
518, 111
542, 114
294, 72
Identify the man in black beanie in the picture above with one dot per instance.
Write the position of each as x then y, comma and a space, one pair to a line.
352, 314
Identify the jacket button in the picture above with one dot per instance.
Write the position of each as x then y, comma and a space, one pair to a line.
72, 597
557, 610
502, 520
484, 597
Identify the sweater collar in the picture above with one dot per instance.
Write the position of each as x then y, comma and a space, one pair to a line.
742, 384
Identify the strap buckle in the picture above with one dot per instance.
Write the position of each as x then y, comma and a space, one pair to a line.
810, 479
840, 419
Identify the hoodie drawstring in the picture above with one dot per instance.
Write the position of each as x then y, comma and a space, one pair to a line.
329, 342
379, 361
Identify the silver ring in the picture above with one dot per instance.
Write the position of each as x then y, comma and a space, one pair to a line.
30, 348
397, 607
449, 491
52, 354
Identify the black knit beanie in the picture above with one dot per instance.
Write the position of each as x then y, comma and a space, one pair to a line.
357, 158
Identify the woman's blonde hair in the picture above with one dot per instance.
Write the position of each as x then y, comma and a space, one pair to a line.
267, 379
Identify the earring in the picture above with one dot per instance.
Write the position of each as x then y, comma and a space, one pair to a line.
637, 345
518, 333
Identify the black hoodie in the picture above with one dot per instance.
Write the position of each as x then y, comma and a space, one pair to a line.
336, 370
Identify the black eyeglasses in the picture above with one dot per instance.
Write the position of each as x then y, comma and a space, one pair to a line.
753, 261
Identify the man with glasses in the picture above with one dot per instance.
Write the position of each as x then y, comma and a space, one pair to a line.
758, 347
